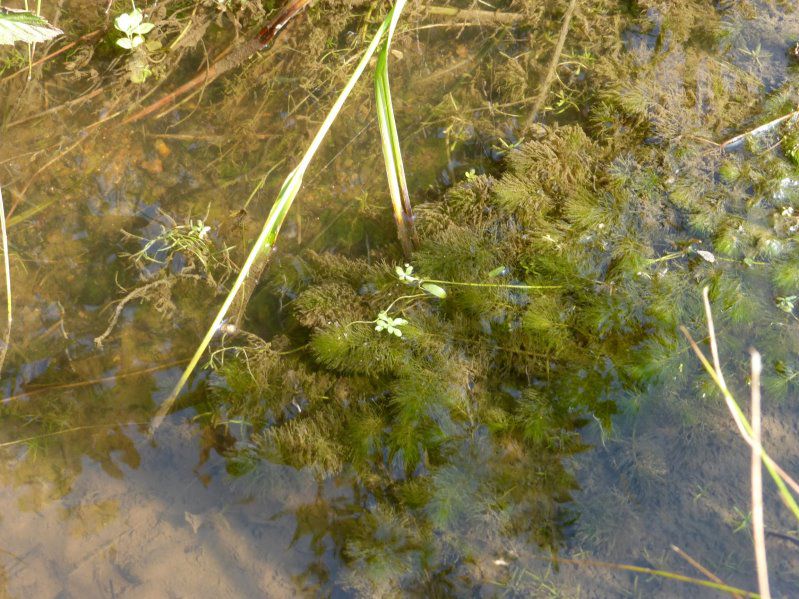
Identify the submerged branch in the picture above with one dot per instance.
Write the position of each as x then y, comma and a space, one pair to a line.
553, 64
237, 57
765, 128
475, 14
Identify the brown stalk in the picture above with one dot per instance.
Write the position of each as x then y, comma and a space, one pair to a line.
700, 568
553, 64
758, 527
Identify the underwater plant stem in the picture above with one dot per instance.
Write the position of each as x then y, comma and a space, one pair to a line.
661, 573
402, 297
392, 154
758, 527
734, 141
667, 257
475, 14
7, 270
106, 379
266, 240
495, 285
74, 429
699, 567
553, 64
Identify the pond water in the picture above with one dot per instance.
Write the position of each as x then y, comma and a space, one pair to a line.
521, 440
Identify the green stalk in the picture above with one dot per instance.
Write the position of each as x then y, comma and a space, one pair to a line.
780, 477
392, 155
271, 229
491, 285
660, 573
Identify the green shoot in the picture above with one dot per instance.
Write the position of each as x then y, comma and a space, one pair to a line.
395, 170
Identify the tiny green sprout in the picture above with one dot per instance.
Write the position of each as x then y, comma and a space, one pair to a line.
787, 303
406, 275
390, 325
133, 26
470, 175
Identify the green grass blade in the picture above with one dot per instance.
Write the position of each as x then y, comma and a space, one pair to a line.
277, 215
780, 477
392, 155
661, 574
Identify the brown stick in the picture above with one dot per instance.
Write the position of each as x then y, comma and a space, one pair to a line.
553, 64
265, 37
62, 49
475, 15
700, 567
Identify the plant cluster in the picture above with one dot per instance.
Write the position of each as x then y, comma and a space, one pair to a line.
584, 259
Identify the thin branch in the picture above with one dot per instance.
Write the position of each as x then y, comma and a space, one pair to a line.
765, 128
475, 15
553, 64
700, 568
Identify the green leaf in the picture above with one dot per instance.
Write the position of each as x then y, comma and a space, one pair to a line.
22, 26
125, 42
498, 271
432, 289
128, 22
144, 28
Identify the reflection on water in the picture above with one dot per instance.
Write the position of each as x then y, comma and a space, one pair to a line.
161, 526
346, 468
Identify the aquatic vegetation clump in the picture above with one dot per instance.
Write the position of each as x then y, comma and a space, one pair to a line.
554, 273
563, 285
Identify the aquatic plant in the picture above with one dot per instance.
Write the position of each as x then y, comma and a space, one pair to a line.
133, 26
751, 433
562, 289
291, 187
536, 300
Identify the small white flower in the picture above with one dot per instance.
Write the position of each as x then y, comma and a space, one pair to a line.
406, 275
390, 325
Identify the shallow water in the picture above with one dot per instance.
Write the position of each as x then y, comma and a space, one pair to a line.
92, 506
